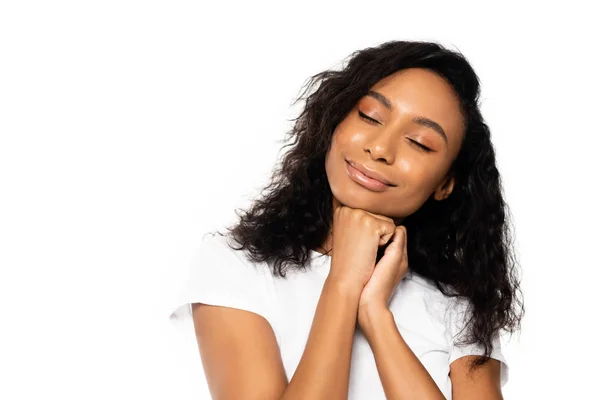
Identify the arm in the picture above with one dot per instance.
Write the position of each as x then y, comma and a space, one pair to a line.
241, 357
402, 374
239, 353
324, 369
404, 377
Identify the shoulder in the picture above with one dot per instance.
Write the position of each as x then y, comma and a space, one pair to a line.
219, 274
217, 251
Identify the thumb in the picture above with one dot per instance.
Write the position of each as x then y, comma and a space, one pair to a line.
394, 248
398, 241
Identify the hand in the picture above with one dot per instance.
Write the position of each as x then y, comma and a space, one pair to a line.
386, 276
357, 235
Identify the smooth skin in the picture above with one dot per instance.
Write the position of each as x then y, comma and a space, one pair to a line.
379, 132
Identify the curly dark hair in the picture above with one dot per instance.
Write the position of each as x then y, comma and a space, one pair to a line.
463, 244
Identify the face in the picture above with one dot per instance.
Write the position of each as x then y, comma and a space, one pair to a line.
408, 131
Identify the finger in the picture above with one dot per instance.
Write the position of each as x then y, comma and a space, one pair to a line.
389, 230
386, 227
404, 238
405, 244
401, 232
380, 216
396, 238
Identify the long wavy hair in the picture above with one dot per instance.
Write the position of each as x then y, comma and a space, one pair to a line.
463, 243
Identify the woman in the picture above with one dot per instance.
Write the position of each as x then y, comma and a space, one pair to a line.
379, 263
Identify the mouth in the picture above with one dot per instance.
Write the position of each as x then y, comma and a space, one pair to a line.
365, 181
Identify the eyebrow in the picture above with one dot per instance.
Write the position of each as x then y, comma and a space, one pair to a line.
423, 121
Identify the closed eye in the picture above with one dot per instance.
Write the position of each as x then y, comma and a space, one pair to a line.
366, 117
427, 149
414, 143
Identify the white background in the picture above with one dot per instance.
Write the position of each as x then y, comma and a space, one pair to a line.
130, 128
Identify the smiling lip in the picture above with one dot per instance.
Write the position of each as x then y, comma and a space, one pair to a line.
363, 180
370, 173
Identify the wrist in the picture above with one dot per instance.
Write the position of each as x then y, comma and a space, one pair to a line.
351, 290
372, 316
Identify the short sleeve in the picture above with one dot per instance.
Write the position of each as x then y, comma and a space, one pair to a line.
456, 323
222, 276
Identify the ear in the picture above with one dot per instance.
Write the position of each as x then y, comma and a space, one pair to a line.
445, 188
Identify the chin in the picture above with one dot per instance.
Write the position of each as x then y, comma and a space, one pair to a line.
355, 199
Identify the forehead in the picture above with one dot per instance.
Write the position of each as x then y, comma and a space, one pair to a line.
418, 91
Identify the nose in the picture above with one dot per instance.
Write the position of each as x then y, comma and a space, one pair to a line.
381, 145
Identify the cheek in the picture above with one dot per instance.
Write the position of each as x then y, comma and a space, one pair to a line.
415, 171
419, 177
348, 134
335, 154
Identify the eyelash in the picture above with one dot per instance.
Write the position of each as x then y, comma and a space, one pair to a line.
419, 145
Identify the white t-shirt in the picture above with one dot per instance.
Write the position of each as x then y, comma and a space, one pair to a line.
220, 275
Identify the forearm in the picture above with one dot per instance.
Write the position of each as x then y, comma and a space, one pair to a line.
324, 369
401, 372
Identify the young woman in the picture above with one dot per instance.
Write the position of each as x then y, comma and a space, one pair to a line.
379, 262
